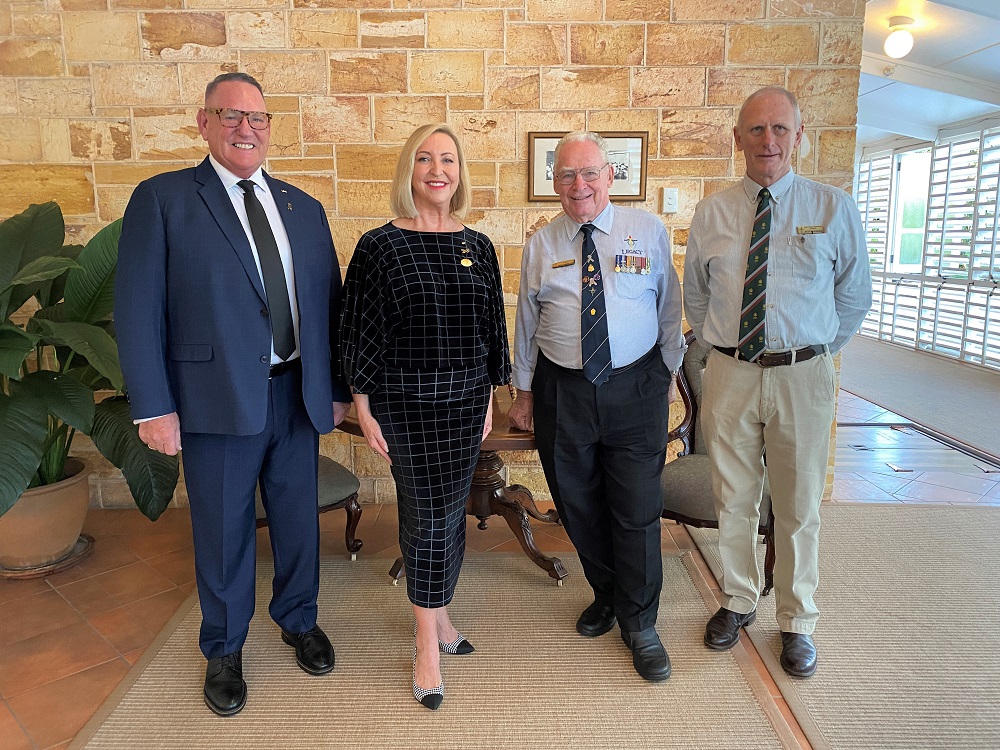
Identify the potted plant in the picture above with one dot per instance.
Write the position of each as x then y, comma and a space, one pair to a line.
57, 354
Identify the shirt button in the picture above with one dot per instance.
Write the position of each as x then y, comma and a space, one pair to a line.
264, 360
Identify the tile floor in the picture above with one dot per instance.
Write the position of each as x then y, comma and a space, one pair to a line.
67, 640
881, 458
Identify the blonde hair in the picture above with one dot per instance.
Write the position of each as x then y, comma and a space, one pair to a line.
401, 192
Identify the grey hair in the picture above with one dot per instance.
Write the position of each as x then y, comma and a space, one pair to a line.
774, 90
232, 78
583, 135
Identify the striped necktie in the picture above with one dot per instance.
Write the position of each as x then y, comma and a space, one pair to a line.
751, 340
595, 345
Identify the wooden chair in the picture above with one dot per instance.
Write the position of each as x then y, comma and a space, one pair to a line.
338, 488
687, 480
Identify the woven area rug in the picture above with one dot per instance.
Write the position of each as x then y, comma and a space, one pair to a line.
908, 637
532, 683
950, 397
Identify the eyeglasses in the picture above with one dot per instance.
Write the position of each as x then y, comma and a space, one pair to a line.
231, 118
589, 174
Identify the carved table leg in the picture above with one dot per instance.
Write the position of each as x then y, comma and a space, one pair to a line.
396, 572
489, 496
511, 505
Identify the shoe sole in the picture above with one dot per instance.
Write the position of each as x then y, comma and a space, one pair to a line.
656, 677
727, 646
799, 675
303, 667
596, 633
219, 712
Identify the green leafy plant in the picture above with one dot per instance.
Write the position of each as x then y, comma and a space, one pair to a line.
57, 354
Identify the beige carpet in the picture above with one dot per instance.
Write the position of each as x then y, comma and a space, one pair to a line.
909, 635
532, 683
954, 398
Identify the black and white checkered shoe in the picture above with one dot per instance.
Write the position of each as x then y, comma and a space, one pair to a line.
457, 646
432, 698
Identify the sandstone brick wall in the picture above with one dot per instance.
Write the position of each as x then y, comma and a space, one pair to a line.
96, 95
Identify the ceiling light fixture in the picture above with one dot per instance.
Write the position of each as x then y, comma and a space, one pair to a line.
900, 41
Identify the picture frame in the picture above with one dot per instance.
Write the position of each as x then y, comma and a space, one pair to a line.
627, 153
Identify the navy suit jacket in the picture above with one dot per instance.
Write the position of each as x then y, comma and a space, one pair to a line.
193, 330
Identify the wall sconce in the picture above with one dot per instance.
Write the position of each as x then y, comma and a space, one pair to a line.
900, 41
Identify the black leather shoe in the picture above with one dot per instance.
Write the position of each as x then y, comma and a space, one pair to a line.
313, 651
225, 690
648, 655
798, 654
723, 630
597, 619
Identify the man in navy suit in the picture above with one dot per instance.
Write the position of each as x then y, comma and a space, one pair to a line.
226, 293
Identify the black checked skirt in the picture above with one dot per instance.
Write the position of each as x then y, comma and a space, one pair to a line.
432, 420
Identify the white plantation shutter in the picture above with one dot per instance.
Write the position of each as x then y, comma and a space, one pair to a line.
952, 306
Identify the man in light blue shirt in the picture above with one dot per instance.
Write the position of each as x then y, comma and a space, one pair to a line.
598, 336
777, 280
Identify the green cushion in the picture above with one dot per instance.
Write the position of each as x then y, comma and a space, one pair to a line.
336, 484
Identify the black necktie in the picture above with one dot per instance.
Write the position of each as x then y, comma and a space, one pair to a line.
275, 284
594, 343
752, 335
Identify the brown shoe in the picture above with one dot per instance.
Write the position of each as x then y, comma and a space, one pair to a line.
798, 654
723, 630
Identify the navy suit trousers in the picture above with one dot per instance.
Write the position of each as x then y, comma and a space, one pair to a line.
222, 473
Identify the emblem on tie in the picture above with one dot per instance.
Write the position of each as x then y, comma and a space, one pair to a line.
751, 342
595, 346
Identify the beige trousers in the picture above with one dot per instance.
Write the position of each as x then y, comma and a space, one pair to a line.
787, 411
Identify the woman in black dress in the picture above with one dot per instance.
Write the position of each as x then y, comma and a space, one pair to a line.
424, 341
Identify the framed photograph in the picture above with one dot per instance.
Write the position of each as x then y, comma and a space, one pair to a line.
626, 153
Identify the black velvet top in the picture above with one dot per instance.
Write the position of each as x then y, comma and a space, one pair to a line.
422, 299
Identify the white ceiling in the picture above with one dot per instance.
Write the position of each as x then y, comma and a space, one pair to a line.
952, 73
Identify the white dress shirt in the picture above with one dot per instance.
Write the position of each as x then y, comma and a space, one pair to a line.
644, 310
818, 278
263, 193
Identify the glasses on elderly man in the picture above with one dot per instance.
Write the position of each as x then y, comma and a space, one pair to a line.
589, 174
231, 118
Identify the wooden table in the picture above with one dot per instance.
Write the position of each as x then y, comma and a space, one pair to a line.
491, 495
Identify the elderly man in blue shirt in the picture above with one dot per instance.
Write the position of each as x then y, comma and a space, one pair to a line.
777, 280
598, 337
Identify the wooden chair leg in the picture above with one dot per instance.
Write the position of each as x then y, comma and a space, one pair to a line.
768, 556
353, 519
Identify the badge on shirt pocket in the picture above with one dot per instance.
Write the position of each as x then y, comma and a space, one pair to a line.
633, 259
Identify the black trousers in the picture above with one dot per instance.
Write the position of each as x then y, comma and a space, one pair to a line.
602, 451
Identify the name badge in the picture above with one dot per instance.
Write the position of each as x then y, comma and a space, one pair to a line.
810, 230
564, 263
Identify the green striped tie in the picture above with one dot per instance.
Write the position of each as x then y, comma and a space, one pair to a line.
751, 339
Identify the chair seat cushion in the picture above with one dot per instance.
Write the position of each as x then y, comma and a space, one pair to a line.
687, 491
336, 484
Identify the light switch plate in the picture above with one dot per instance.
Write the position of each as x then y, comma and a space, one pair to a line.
670, 199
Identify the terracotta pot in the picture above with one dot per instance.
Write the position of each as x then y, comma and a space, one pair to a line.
45, 523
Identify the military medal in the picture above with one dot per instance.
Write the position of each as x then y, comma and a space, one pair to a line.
632, 260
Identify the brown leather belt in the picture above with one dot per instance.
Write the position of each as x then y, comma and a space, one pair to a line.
282, 367
776, 359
